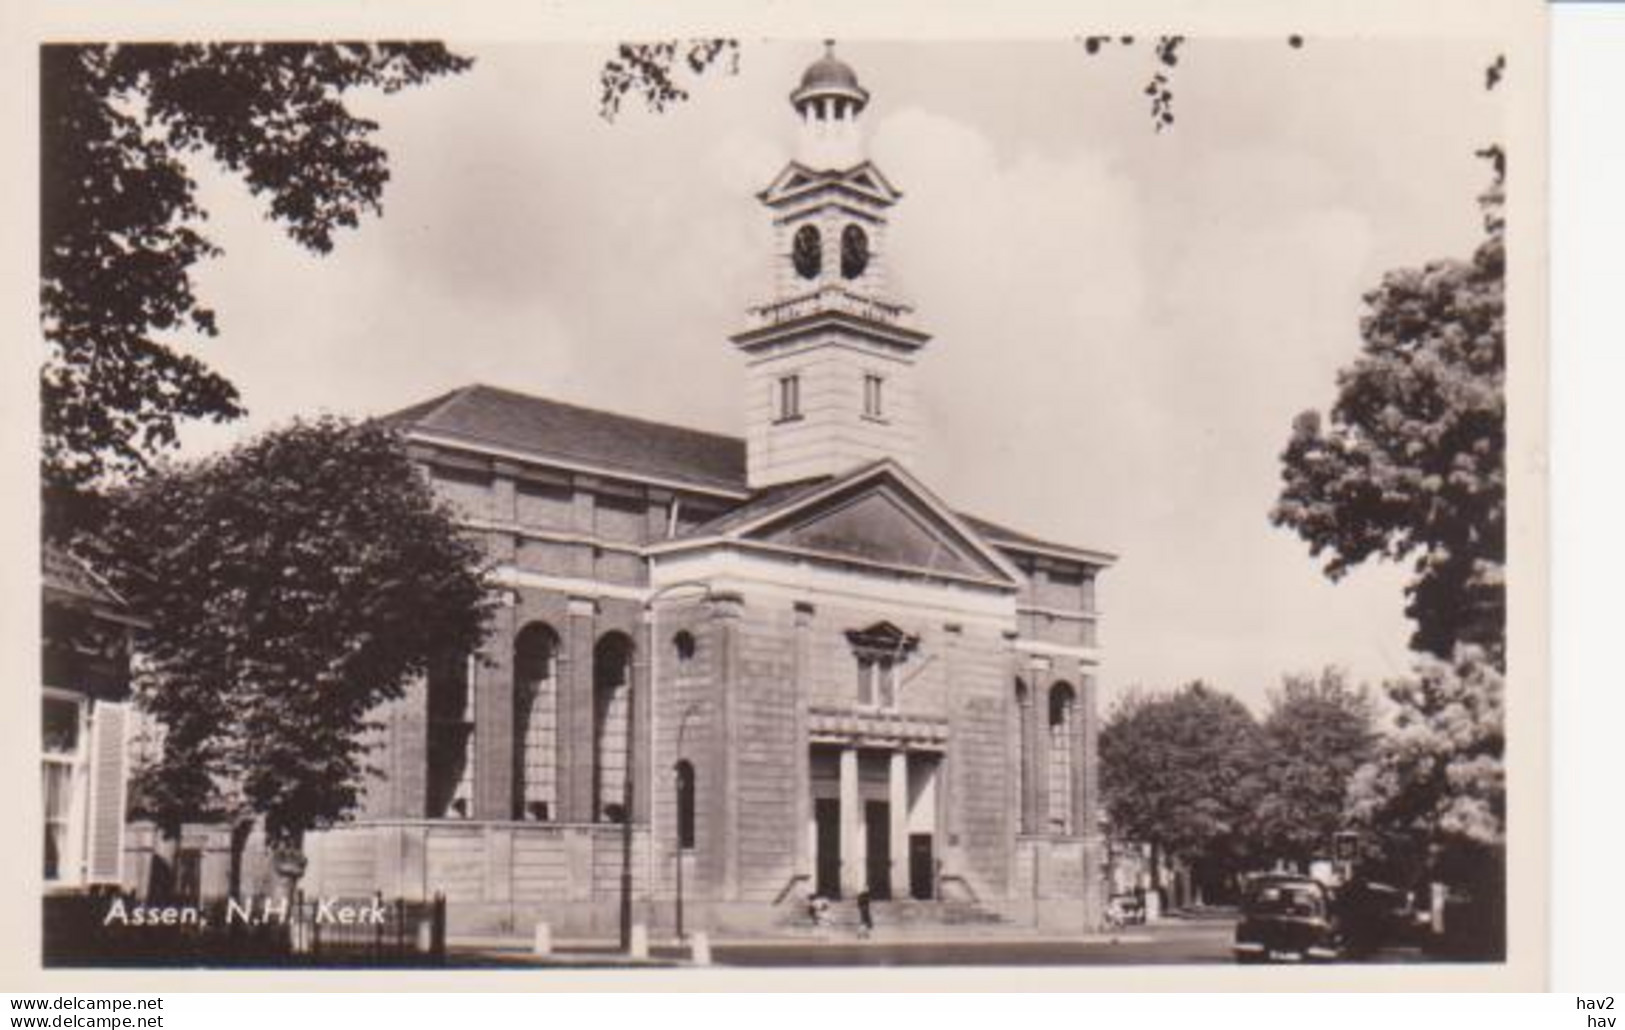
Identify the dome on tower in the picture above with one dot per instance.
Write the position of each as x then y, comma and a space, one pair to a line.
829, 76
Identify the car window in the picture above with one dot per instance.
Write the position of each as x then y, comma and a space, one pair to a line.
1287, 899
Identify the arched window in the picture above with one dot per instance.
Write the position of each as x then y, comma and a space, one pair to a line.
449, 790
807, 252
612, 710
682, 648
1062, 715
535, 722
685, 804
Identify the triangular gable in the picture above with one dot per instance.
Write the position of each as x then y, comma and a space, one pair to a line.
868, 178
796, 178
880, 514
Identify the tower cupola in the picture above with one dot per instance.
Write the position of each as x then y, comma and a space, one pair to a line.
830, 355
829, 101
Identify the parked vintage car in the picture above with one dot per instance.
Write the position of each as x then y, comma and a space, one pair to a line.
1287, 918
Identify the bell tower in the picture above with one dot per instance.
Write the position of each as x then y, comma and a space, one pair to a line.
830, 359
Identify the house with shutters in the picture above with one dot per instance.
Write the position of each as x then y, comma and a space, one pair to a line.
729, 674
85, 709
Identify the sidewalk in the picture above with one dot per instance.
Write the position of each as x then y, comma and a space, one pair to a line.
667, 951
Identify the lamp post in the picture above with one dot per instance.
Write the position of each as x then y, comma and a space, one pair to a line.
626, 793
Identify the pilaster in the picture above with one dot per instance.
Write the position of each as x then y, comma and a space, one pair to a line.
897, 808
576, 736
493, 727
804, 613
851, 825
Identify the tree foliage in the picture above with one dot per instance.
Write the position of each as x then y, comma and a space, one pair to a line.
1179, 771
1317, 733
1411, 462
120, 229
654, 71
1437, 781
291, 585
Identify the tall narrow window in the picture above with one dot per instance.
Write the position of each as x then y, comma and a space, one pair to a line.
789, 399
450, 786
1062, 713
61, 738
880, 651
612, 712
872, 399
535, 723
685, 804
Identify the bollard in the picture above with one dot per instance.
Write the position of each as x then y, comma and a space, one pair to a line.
425, 935
640, 941
543, 945
699, 948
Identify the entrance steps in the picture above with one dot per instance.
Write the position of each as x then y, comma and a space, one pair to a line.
893, 917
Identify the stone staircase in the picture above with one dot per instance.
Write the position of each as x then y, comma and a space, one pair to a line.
893, 918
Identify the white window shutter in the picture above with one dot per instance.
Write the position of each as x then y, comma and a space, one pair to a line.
105, 845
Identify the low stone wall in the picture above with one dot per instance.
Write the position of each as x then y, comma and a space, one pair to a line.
497, 877
1057, 886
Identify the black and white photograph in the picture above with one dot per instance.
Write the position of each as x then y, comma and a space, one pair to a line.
737, 501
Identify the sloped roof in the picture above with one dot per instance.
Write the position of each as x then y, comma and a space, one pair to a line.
771, 506
548, 429
68, 582
64, 574
1003, 536
480, 414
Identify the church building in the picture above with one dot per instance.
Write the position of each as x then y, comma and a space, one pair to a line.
786, 662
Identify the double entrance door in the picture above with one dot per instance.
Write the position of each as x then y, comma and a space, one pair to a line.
877, 860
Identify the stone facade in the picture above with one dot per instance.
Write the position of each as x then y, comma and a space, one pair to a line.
733, 674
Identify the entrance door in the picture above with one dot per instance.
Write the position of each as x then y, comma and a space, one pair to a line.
921, 867
827, 820
877, 821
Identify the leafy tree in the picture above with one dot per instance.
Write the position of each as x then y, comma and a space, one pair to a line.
1434, 792
120, 228
291, 585
1412, 460
1178, 771
1317, 733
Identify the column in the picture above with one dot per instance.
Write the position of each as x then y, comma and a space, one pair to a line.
851, 825
577, 741
804, 834
1028, 746
897, 792
1082, 727
1037, 745
727, 611
639, 725
492, 685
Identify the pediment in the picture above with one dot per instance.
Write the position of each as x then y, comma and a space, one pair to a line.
797, 179
883, 522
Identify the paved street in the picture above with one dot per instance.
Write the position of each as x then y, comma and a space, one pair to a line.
1175, 941
1180, 941
1205, 942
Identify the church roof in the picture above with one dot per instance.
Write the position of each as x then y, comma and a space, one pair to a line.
1004, 536
827, 71
601, 440
540, 429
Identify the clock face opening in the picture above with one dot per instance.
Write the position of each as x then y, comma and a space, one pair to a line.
854, 251
807, 252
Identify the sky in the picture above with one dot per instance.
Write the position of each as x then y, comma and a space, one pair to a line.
1125, 322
